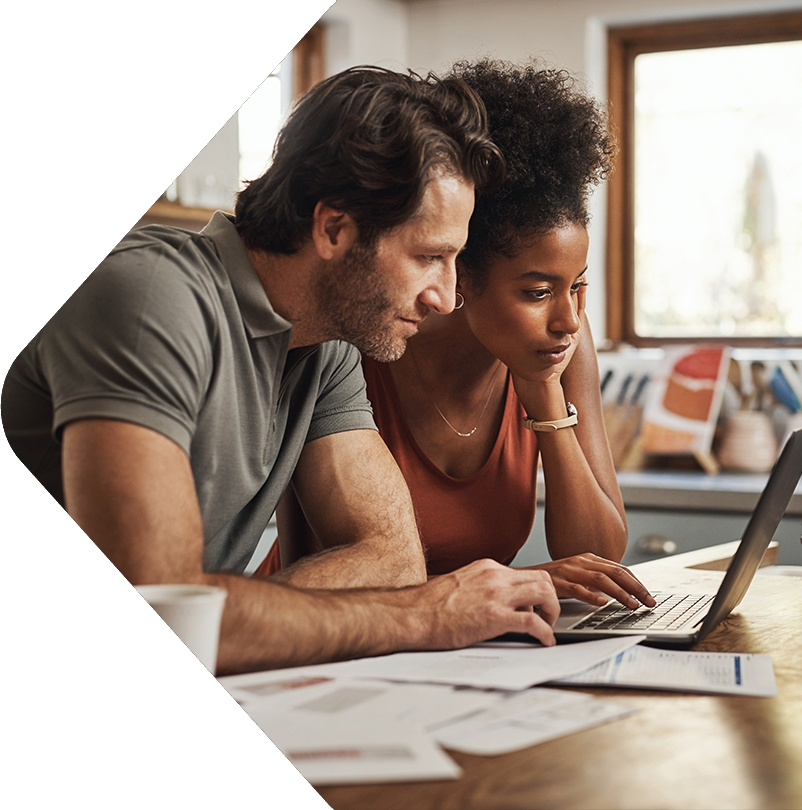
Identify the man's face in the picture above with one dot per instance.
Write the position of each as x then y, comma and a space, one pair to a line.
375, 297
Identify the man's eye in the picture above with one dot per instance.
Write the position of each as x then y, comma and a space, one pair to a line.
432, 259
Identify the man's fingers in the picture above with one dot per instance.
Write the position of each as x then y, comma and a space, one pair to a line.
539, 591
533, 625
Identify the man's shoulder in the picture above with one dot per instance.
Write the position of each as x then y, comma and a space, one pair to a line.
160, 261
165, 240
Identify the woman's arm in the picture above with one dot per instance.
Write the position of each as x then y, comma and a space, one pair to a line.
584, 508
586, 529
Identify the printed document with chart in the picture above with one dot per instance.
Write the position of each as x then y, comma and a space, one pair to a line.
716, 673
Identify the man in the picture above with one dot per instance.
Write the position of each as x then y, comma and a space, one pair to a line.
170, 401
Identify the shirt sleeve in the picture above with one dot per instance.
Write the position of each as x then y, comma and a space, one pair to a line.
132, 344
342, 402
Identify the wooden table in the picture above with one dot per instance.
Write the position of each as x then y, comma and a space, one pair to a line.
679, 751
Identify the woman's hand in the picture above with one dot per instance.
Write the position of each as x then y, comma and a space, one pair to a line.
532, 374
539, 384
584, 576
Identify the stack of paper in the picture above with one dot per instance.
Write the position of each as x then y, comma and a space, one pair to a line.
385, 718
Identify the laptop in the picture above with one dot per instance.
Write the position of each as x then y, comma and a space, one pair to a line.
681, 620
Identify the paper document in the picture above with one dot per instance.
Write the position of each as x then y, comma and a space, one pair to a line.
492, 665
349, 730
329, 753
527, 718
716, 673
346, 731
421, 705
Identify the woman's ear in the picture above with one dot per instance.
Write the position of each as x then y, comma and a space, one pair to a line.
460, 275
464, 287
334, 232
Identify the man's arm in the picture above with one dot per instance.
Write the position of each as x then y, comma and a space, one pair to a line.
131, 490
347, 487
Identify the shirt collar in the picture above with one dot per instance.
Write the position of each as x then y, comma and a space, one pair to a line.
258, 315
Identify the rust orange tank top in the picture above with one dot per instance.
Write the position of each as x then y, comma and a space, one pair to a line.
489, 514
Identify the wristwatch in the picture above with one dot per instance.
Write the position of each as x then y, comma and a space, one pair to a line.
556, 424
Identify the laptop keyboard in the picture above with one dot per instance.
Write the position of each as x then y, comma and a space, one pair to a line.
671, 611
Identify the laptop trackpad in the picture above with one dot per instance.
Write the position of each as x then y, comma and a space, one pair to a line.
573, 611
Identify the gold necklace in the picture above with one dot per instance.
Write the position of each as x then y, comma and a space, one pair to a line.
491, 385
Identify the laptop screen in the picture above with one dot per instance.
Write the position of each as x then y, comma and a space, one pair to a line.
765, 519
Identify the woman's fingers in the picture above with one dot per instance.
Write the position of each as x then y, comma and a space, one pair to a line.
586, 576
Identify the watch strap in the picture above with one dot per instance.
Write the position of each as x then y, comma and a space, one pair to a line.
555, 424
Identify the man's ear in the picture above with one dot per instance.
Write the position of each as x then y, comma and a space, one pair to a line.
333, 232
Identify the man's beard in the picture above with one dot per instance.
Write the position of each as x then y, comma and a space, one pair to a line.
354, 304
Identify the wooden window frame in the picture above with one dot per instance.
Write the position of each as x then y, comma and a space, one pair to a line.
623, 45
309, 60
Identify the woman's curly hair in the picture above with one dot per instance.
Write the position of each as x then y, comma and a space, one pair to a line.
557, 145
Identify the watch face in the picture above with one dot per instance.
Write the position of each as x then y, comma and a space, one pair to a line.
571, 409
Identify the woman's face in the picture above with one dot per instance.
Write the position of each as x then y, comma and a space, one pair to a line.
530, 310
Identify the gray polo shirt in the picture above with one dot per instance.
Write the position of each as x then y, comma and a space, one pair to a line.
174, 332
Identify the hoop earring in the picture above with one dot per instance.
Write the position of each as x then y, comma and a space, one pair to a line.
461, 301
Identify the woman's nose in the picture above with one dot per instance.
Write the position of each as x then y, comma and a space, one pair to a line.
566, 316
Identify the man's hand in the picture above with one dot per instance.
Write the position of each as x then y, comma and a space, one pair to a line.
483, 600
584, 575
131, 489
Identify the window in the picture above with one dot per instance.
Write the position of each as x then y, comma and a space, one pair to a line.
258, 122
705, 206
261, 116
241, 150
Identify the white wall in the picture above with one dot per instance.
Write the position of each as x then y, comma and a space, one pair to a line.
367, 32
212, 179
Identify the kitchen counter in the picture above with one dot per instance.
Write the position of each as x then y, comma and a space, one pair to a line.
670, 512
735, 493
698, 491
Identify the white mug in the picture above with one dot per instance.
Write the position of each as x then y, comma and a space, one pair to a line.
193, 613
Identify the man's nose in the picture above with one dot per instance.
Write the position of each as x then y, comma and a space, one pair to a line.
440, 295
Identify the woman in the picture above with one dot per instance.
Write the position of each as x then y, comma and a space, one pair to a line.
452, 410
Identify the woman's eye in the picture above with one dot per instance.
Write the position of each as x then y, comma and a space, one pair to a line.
540, 294
578, 285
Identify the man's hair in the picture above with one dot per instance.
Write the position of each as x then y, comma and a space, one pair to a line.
366, 141
557, 146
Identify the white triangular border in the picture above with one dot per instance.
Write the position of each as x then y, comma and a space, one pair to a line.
104, 105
